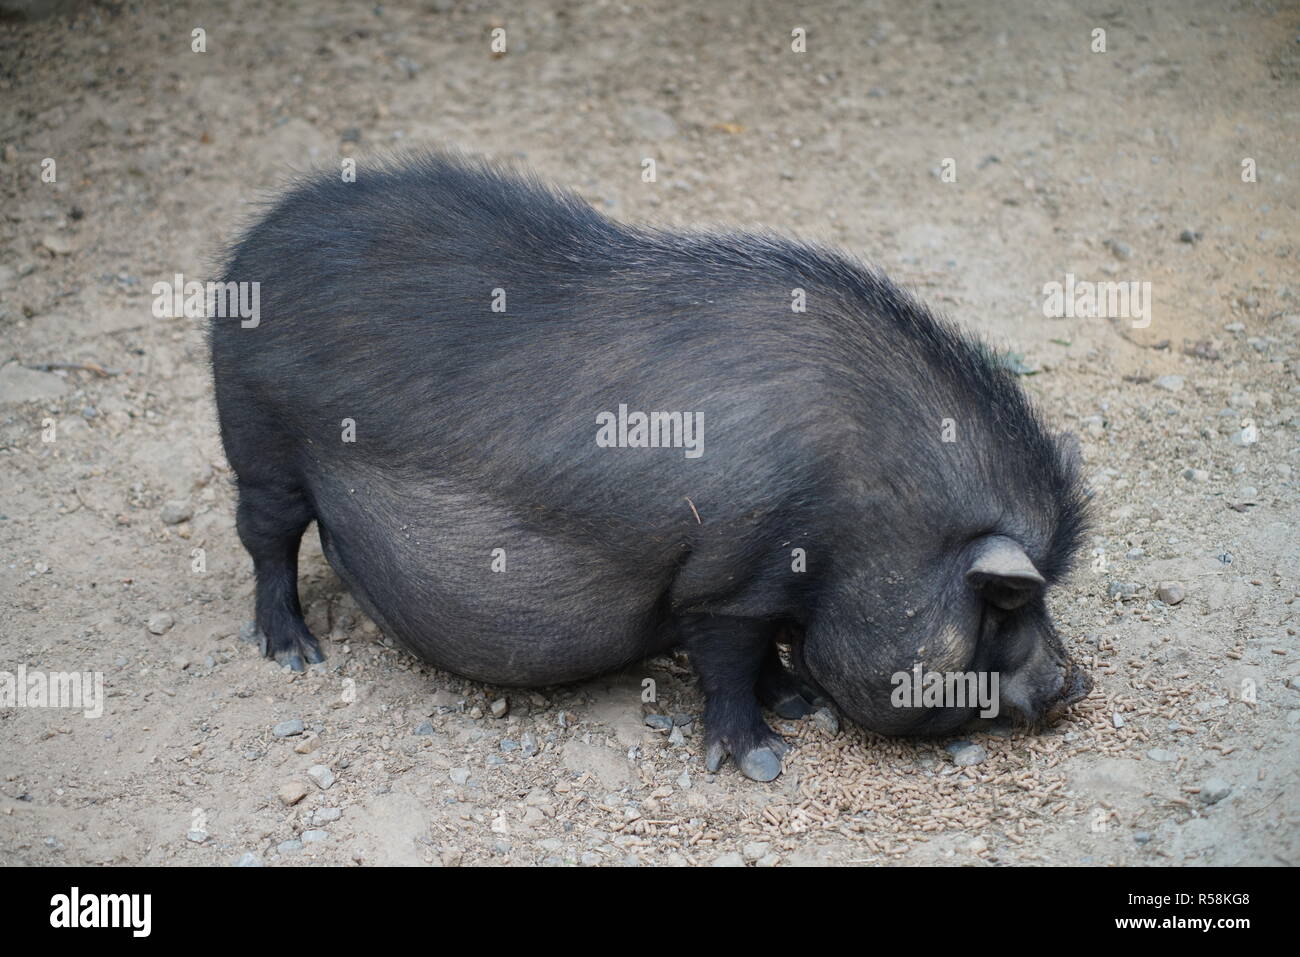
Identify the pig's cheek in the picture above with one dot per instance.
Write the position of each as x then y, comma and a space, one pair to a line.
951, 648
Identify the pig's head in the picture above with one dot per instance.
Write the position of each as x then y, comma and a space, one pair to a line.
969, 598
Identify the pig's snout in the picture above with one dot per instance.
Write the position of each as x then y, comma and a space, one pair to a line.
1075, 685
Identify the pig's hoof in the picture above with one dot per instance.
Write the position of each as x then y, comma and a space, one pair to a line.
759, 763
794, 706
782, 692
291, 652
827, 720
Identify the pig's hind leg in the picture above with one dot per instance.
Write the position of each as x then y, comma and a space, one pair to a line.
781, 690
728, 655
271, 520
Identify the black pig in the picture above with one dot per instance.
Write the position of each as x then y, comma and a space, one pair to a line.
444, 354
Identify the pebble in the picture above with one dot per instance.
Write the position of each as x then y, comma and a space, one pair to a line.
308, 744
458, 775
676, 738
659, 722
196, 835
290, 847
729, 859
978, 846
648, 122
1122, 590
684, 781
528, 744
1171, 593
159, 623
1121, 250
965, 754
1214, 790
755, 850
1142, 837
1170, 383
424, 727
247, 859
291, 793
1188, 236
322, 775
500, 708
327, 815
287, 729
176, 511
59, 245
1161, 755
314, 835
1196, 475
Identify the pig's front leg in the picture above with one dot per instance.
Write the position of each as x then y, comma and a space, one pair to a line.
728, 655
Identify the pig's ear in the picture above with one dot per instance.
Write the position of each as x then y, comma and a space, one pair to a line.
1069, 451
1002, 571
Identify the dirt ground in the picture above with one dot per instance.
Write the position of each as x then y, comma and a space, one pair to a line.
117, 545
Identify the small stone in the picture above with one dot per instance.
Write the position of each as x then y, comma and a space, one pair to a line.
196, 835
528, 744
770, 860
1171, 593
1170, 383
676, 738
291, 793
965, 754
322, 775
159, 623
650, 123
729, 859
659, 722
534, 817
1120, 250
500, 708
314, 835
247, 859
290, 847
458, 775
1142, 837
327, 815
1117, 719
59, 245
287, 729
1214, 790
1188, 236
755, 850
424, 727
308, 744
1196, 475
1122, 590
1161, 755
978, 846
176, 511
684, 781
248, 632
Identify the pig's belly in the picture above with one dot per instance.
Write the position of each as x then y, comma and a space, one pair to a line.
555, 610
